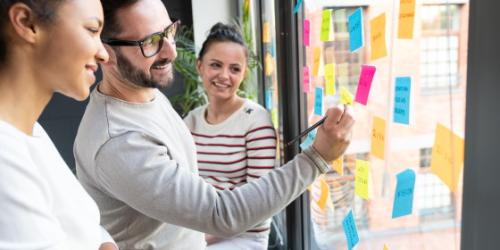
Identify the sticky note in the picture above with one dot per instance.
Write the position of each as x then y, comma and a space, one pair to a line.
269, 64
361, 180
406, 19
350, 230
316, 60
378, 44
266, 33
345, 96
269, 99
326, 26
330, 79
403, 196
365, 83
274, 117
385, 247
308, 140
318, 101
306, 32
297, 7
402, 100
355, 26
338, 165
324, 194
307, 80
378, 138
447, 156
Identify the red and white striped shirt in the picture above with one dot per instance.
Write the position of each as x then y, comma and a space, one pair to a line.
236, 151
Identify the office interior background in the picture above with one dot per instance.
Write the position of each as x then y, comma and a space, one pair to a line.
451, 58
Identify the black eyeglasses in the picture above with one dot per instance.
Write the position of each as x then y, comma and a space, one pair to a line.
150, 45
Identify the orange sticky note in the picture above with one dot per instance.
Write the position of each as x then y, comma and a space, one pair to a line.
338, 165
377, 41
324, 193
269, 64
326, 26
406, 18
316, 60
362, 179
378, 137
447, 156
385, 247
266, 33
330, 79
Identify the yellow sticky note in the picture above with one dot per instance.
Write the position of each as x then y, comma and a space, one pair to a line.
269, 64
377, 41
326, 26
378, 137
362, 179
324, 193
316, 60
345, 96
266, 33
447, 156
338, 165
330, 79
406, 18
385, 247
274, 117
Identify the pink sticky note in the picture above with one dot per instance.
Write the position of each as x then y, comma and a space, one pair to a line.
365, 83
306, 32
307, 80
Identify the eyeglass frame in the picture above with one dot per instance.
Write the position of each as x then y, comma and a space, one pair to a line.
140, 43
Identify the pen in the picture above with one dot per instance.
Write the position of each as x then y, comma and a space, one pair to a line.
315, 125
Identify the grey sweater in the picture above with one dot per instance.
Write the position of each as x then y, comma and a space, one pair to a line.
138, 161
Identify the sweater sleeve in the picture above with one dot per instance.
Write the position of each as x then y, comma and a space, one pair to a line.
140, 171
26, 218
260, 146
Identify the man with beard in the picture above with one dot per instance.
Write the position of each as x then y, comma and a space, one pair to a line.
137, 159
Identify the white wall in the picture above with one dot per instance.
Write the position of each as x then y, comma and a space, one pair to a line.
207, 13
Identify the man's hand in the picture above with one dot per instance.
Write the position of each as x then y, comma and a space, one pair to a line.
108, 246
334, 135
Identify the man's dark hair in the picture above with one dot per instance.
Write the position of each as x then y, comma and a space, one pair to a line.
44, 10
111, 24
222, 33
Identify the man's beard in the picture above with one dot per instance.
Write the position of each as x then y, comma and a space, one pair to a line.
138, 77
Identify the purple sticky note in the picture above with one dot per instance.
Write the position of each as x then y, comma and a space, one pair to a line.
307, 80
365, 83
306, 32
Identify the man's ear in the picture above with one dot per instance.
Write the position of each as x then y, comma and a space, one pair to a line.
23, 21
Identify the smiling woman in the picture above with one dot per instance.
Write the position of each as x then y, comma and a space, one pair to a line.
45, 47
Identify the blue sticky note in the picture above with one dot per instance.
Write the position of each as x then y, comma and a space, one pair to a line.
269, 99
350, 230
403, 198
402, 100
297, 7
309, 140
318, 101
355, 26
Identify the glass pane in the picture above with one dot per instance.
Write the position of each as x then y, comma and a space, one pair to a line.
435, 60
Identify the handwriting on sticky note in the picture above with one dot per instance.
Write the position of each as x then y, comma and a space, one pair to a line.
345, 96
309, 140
365, 83
378, 44
306, 29
350, 230
362, 179
338, 165
355, 25
403, 196
406, 19
402, 100
326, 26
316, 60
447, 156
378, 137
318, 101
330, 79
307, 80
